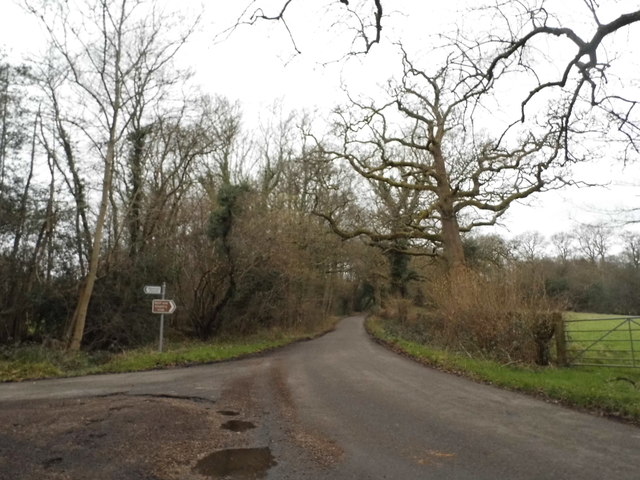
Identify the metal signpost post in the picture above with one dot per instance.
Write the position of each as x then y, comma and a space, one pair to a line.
162, 306
164, 289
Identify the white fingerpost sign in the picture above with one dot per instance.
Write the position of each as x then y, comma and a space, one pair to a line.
153, 289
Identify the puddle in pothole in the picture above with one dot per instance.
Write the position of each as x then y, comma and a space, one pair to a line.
228, 413
237, 463
237, 425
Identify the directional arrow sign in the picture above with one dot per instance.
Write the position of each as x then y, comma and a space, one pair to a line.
153, 289
162, 306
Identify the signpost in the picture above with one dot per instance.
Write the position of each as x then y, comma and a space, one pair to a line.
160, 305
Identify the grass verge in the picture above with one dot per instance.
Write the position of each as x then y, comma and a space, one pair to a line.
37, 362
613, 392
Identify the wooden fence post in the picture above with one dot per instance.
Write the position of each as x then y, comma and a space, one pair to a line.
561, 341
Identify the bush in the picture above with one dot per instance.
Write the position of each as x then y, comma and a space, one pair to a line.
506, 316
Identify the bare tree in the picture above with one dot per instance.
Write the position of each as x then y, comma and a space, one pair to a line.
594, 241
423, 140
520, 36
167, 159
58, 142
563, 243
631, 250
530, 245
364, 17
23, 215
584, 81
109, 53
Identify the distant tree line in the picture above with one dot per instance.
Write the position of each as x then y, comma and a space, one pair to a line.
594, 268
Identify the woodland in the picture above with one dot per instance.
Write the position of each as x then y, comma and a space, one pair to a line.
115, 174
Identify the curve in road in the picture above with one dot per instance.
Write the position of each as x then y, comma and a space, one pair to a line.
340, 406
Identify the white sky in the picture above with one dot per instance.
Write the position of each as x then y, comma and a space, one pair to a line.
257, 65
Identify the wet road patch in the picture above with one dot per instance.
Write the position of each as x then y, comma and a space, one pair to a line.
237, 463
228, 413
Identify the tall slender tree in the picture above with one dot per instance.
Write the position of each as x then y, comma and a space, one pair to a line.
113, 59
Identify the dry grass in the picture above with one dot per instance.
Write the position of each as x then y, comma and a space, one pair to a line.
503, 316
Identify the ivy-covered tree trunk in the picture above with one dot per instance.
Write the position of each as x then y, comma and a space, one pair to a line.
213, 294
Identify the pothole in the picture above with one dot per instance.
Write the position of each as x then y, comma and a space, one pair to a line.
237, 425
237, 463
228, 413
159, 396
51, 462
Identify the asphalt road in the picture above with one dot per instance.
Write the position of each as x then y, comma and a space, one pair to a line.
336, 407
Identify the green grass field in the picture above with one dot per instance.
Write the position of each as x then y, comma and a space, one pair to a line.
602, 339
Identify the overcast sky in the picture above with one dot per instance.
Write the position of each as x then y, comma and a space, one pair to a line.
258, 65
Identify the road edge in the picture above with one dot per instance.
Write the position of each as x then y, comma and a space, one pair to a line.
397, 349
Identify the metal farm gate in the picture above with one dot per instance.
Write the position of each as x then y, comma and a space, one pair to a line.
602, 342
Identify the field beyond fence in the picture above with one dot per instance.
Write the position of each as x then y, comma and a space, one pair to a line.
602, 340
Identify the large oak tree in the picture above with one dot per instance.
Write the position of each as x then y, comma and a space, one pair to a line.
424, 140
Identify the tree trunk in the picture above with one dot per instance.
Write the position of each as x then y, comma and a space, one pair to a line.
136, 174
451, 240
452, 244
78, 320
